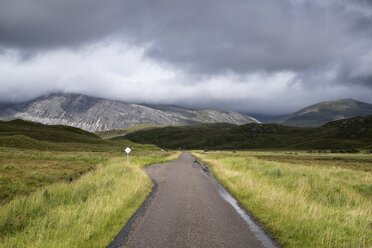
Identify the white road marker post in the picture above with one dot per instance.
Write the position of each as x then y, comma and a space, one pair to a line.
127, 151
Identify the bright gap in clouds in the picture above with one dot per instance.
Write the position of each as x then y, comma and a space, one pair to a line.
103, 69
119, 71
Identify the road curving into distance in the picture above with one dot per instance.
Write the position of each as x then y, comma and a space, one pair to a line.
188, 208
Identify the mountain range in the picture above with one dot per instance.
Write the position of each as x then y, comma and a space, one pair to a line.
98, 114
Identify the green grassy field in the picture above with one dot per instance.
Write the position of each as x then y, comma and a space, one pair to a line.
304, 199
22, 171
64, 187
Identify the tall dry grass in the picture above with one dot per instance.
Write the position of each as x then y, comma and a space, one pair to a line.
88, 212
302, 205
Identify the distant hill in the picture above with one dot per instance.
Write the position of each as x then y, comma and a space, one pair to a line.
342, 134
29, 135
42, 132
120, 132
323, 112
98, 114
24, 134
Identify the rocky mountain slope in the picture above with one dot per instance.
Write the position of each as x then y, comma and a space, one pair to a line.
323, 112
97, 114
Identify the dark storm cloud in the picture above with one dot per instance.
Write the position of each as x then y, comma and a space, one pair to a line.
47, 24
322, 42
203, 36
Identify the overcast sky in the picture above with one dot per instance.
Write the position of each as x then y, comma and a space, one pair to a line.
257, 56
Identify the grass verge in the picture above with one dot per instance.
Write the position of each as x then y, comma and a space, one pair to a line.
88, 212
303, 204
23, 171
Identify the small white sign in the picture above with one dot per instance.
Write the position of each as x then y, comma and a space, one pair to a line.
127, 150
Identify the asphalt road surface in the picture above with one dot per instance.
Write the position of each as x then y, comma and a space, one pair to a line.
189, 210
